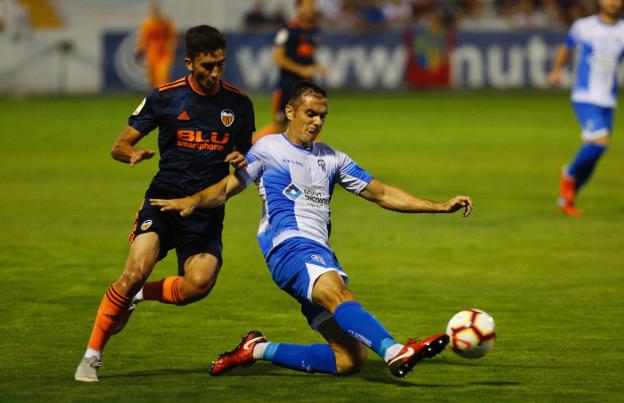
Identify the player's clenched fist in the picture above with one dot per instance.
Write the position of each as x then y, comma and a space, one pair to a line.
459, 202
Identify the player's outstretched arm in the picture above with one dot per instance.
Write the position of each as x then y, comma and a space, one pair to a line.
213, 196
124, 149
393, 198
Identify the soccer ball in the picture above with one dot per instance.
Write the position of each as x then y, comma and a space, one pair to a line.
472, 333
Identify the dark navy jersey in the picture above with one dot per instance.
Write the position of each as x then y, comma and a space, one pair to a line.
196, 132
300, 45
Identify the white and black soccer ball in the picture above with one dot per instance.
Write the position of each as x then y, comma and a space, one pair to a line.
472, 333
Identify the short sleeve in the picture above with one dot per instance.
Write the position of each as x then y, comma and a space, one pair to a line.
255, 165
144, 118
243, 138
573, 36
351, 176
281, 37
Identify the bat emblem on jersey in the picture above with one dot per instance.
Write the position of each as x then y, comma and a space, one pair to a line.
321, 164
227, 117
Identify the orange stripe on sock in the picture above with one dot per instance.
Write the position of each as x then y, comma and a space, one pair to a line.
119, 295
108, 316
117, 299
167, 290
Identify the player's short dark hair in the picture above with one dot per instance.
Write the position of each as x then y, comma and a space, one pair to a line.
204, 39
305, 87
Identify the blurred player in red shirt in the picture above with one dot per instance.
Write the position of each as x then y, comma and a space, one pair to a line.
157, 43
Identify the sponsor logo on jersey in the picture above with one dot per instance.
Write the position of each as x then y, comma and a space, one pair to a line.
307, 196
227, 117
200, 141
292, 192
184, 116
603, 62
318, 259
146, 224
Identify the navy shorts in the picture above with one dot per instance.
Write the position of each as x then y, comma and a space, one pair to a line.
295, 265
198, 233
281, 95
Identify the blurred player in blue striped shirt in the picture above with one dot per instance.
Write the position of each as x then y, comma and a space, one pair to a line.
599, 44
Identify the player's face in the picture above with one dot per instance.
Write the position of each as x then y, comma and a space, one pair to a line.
306, 11
611, 7
306, 121
206, 69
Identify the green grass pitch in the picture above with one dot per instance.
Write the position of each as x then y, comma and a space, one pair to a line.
553, 284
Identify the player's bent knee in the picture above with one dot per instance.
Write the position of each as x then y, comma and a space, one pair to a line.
131, 282
350, 364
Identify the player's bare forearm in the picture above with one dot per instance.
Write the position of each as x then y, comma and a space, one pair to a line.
395, 199
280, 58
561, 58
124, 149
213, 196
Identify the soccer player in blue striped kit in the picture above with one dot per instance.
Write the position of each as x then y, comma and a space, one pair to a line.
295, 178
599, 41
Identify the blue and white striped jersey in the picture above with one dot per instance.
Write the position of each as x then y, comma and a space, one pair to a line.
600, 48
296, 185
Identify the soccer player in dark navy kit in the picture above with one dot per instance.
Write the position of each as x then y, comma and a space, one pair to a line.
294, 50
204, 125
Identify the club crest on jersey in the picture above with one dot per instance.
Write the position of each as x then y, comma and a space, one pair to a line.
227, 117
321, 164
146, 224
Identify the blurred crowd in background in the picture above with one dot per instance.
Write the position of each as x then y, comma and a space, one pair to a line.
16, 16
366, 15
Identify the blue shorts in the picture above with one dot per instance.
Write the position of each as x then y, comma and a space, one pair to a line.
596, 121
295, 265
198, 233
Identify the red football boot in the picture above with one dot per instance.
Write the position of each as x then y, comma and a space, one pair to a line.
569, 209
241, 356
415, 350
567, 188
567, 195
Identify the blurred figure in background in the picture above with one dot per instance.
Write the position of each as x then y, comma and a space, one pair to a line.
157, 43
293, 52
599, 41
256, 18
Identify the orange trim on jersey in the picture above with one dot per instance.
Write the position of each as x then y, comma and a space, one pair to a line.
277, 98
175, 84
232, 88
135, 224
194, 85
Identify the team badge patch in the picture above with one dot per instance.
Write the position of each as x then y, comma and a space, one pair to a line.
227, 117
318, 259
139, 108
146, 224
321, 164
